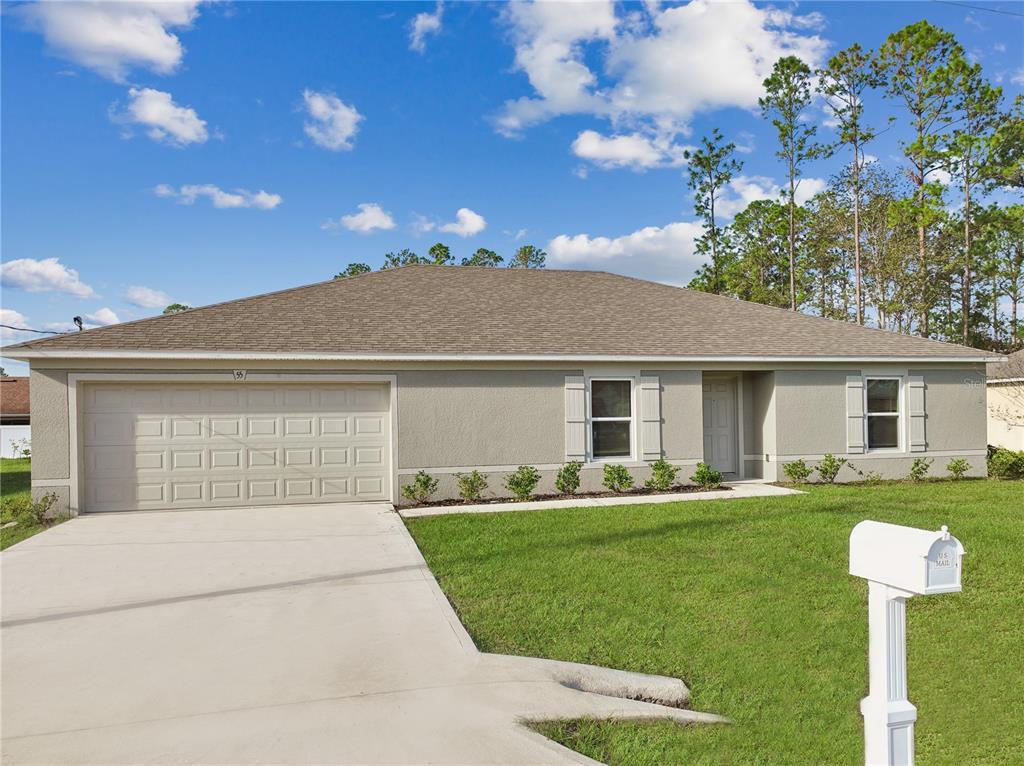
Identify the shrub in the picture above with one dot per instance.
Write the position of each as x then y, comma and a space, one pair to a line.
471, 485
798, 471
567, 480
828, 468
663, 475
617, 478
1006, 464
919, 468
522, 481
24, 509
422, 487
707, 477
958, 467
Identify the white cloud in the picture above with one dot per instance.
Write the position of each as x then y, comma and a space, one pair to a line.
236, 198
745, 142
333, 123
102, 317
15, 319
47, 275
165, 121
633, 150
422, 25
743, 190
466, 223
370, 217
664, 253
657, 72
112, 37
146, 297
1017, 78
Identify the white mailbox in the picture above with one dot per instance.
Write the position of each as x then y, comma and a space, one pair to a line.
898, 563
918, 561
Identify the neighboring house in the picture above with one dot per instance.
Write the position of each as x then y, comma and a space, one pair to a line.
15, 431
1006, 402
343, 390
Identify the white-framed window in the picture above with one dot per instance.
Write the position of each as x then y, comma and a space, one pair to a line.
883, 414
611, 419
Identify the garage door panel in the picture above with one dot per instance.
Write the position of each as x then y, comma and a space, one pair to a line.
152, 446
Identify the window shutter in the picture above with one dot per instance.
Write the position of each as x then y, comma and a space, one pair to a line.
575, 418
854, 414
915, 405
650, 417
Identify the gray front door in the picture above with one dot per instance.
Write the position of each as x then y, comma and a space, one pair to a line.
720, 440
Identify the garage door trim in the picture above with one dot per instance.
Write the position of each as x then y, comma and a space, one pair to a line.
76, 462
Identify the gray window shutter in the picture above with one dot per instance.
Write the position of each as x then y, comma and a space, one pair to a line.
575, 418
854, 414
915, 405
650, 417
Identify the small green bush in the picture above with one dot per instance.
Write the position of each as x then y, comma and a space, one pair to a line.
567, 480
421, 488
957, 468
522, 481
617, 478
28, 511
707, 477
663, 475
1006, 464
919, 468
798, 471
471, 485
828, 468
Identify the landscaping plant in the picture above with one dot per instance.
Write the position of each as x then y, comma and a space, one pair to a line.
828, 468
798, 471
523, 481
422, 487
1006, 464
471, 485
707, 477
567, 480
663, 475
919, 468
957, 468
617, 478
27, 510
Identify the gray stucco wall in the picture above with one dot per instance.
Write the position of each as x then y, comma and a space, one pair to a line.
954, 401
682, 422
48, 394
810, 408
453, 418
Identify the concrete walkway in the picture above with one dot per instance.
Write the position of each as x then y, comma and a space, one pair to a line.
737, 490
309, 634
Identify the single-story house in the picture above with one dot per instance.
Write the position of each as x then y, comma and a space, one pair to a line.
1006, 402
343, 390
15, 417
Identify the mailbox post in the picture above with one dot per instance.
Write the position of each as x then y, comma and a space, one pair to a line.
898, 563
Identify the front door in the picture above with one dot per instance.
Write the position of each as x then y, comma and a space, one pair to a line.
720, 424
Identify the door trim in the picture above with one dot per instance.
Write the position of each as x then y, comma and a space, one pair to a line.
738, 411
75, 435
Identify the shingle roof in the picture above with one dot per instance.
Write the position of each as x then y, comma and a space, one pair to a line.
458, 310
14, 396
1011, 369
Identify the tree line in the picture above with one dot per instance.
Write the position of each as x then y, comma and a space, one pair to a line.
881, 245
525, 257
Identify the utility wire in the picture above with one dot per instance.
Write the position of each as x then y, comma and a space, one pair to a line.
979, 8
29, 329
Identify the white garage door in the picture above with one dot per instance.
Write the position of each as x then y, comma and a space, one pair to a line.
157, 446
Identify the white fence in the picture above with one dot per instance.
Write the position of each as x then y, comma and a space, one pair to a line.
9, 434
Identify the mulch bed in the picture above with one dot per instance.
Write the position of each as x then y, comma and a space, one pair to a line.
639, 492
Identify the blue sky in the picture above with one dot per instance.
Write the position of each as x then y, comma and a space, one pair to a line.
202, 152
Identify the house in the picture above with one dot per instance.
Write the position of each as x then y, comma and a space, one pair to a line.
15, 428
1006, 402
343, 390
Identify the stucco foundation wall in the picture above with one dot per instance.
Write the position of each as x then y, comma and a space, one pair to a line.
810, 410
1006, 415
954, 400
456, 418
48, 399
682, 421
899, 467
63, 494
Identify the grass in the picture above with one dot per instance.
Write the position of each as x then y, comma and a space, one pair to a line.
749, 601
15, 483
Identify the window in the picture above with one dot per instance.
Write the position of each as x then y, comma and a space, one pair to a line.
611, 418
883, 413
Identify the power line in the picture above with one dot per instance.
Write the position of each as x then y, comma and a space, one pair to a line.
979, 8
29, 329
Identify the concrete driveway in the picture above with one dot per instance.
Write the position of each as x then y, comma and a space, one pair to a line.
310, 634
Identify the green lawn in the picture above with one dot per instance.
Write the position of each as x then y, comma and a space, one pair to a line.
749, 601
15, 482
